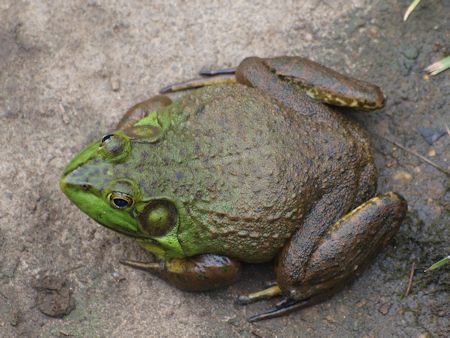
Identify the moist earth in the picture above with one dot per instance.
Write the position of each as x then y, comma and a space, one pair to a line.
69, 70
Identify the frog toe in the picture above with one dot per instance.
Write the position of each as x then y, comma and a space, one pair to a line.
269, 292
282, 308
214, 72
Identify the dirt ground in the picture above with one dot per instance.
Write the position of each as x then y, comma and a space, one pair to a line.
69, 69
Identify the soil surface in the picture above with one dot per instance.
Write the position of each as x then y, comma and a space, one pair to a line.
70, 69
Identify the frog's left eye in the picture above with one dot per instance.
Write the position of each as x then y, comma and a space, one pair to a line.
120, 200
115, 147
106, 137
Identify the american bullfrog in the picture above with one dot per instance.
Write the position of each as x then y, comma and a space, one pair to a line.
254, 166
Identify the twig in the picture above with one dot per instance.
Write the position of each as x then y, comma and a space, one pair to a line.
410, 280
74, 268
412, 152
1, 294
256, 334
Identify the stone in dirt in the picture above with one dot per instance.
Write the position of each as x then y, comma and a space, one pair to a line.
54, 296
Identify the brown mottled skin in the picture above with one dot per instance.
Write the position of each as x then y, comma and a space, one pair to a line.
341, 89
259, 170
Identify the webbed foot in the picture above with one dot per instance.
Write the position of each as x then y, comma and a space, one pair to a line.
198, 273
282, 308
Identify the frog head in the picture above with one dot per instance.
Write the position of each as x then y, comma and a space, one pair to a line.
110, 181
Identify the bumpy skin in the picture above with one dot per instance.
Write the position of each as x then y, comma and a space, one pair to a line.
345, 248
245, 172
250, 171
325, 84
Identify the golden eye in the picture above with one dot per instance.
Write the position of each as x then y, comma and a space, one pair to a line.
158, 218
120, 200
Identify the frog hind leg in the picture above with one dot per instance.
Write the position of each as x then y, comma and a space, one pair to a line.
198, 273
318, 82
347, 246
142, 109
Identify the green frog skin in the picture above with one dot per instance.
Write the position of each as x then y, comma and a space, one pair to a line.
252, 167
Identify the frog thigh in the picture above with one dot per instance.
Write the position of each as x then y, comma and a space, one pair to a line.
325, 84
318, 82
142, 109
346, 246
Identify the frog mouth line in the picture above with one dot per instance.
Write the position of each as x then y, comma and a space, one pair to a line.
85, 198
128, 233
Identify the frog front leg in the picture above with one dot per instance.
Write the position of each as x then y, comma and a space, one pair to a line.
198, 273
313, 265
141, 110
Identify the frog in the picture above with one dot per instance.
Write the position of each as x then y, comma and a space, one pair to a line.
252, 164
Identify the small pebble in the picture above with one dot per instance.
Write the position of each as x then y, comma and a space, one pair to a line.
384, 308
54, 296
432, 152
424, 335
16, 318
330, 319
402, 176
410, 53
115, 84
431, 135
66, 119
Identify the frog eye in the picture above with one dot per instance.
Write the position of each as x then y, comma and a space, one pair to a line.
113, 144
119, 200
115, 147
106, 137
158, 218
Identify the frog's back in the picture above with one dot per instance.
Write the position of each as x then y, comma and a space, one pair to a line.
249, 170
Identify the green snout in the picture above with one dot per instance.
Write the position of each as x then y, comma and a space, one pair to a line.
90, 195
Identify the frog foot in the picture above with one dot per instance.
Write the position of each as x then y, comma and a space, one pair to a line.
215, 72
283, 307
209, 77
145, 266
338, 256
198, 273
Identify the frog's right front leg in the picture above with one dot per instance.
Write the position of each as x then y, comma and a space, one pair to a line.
198, 273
